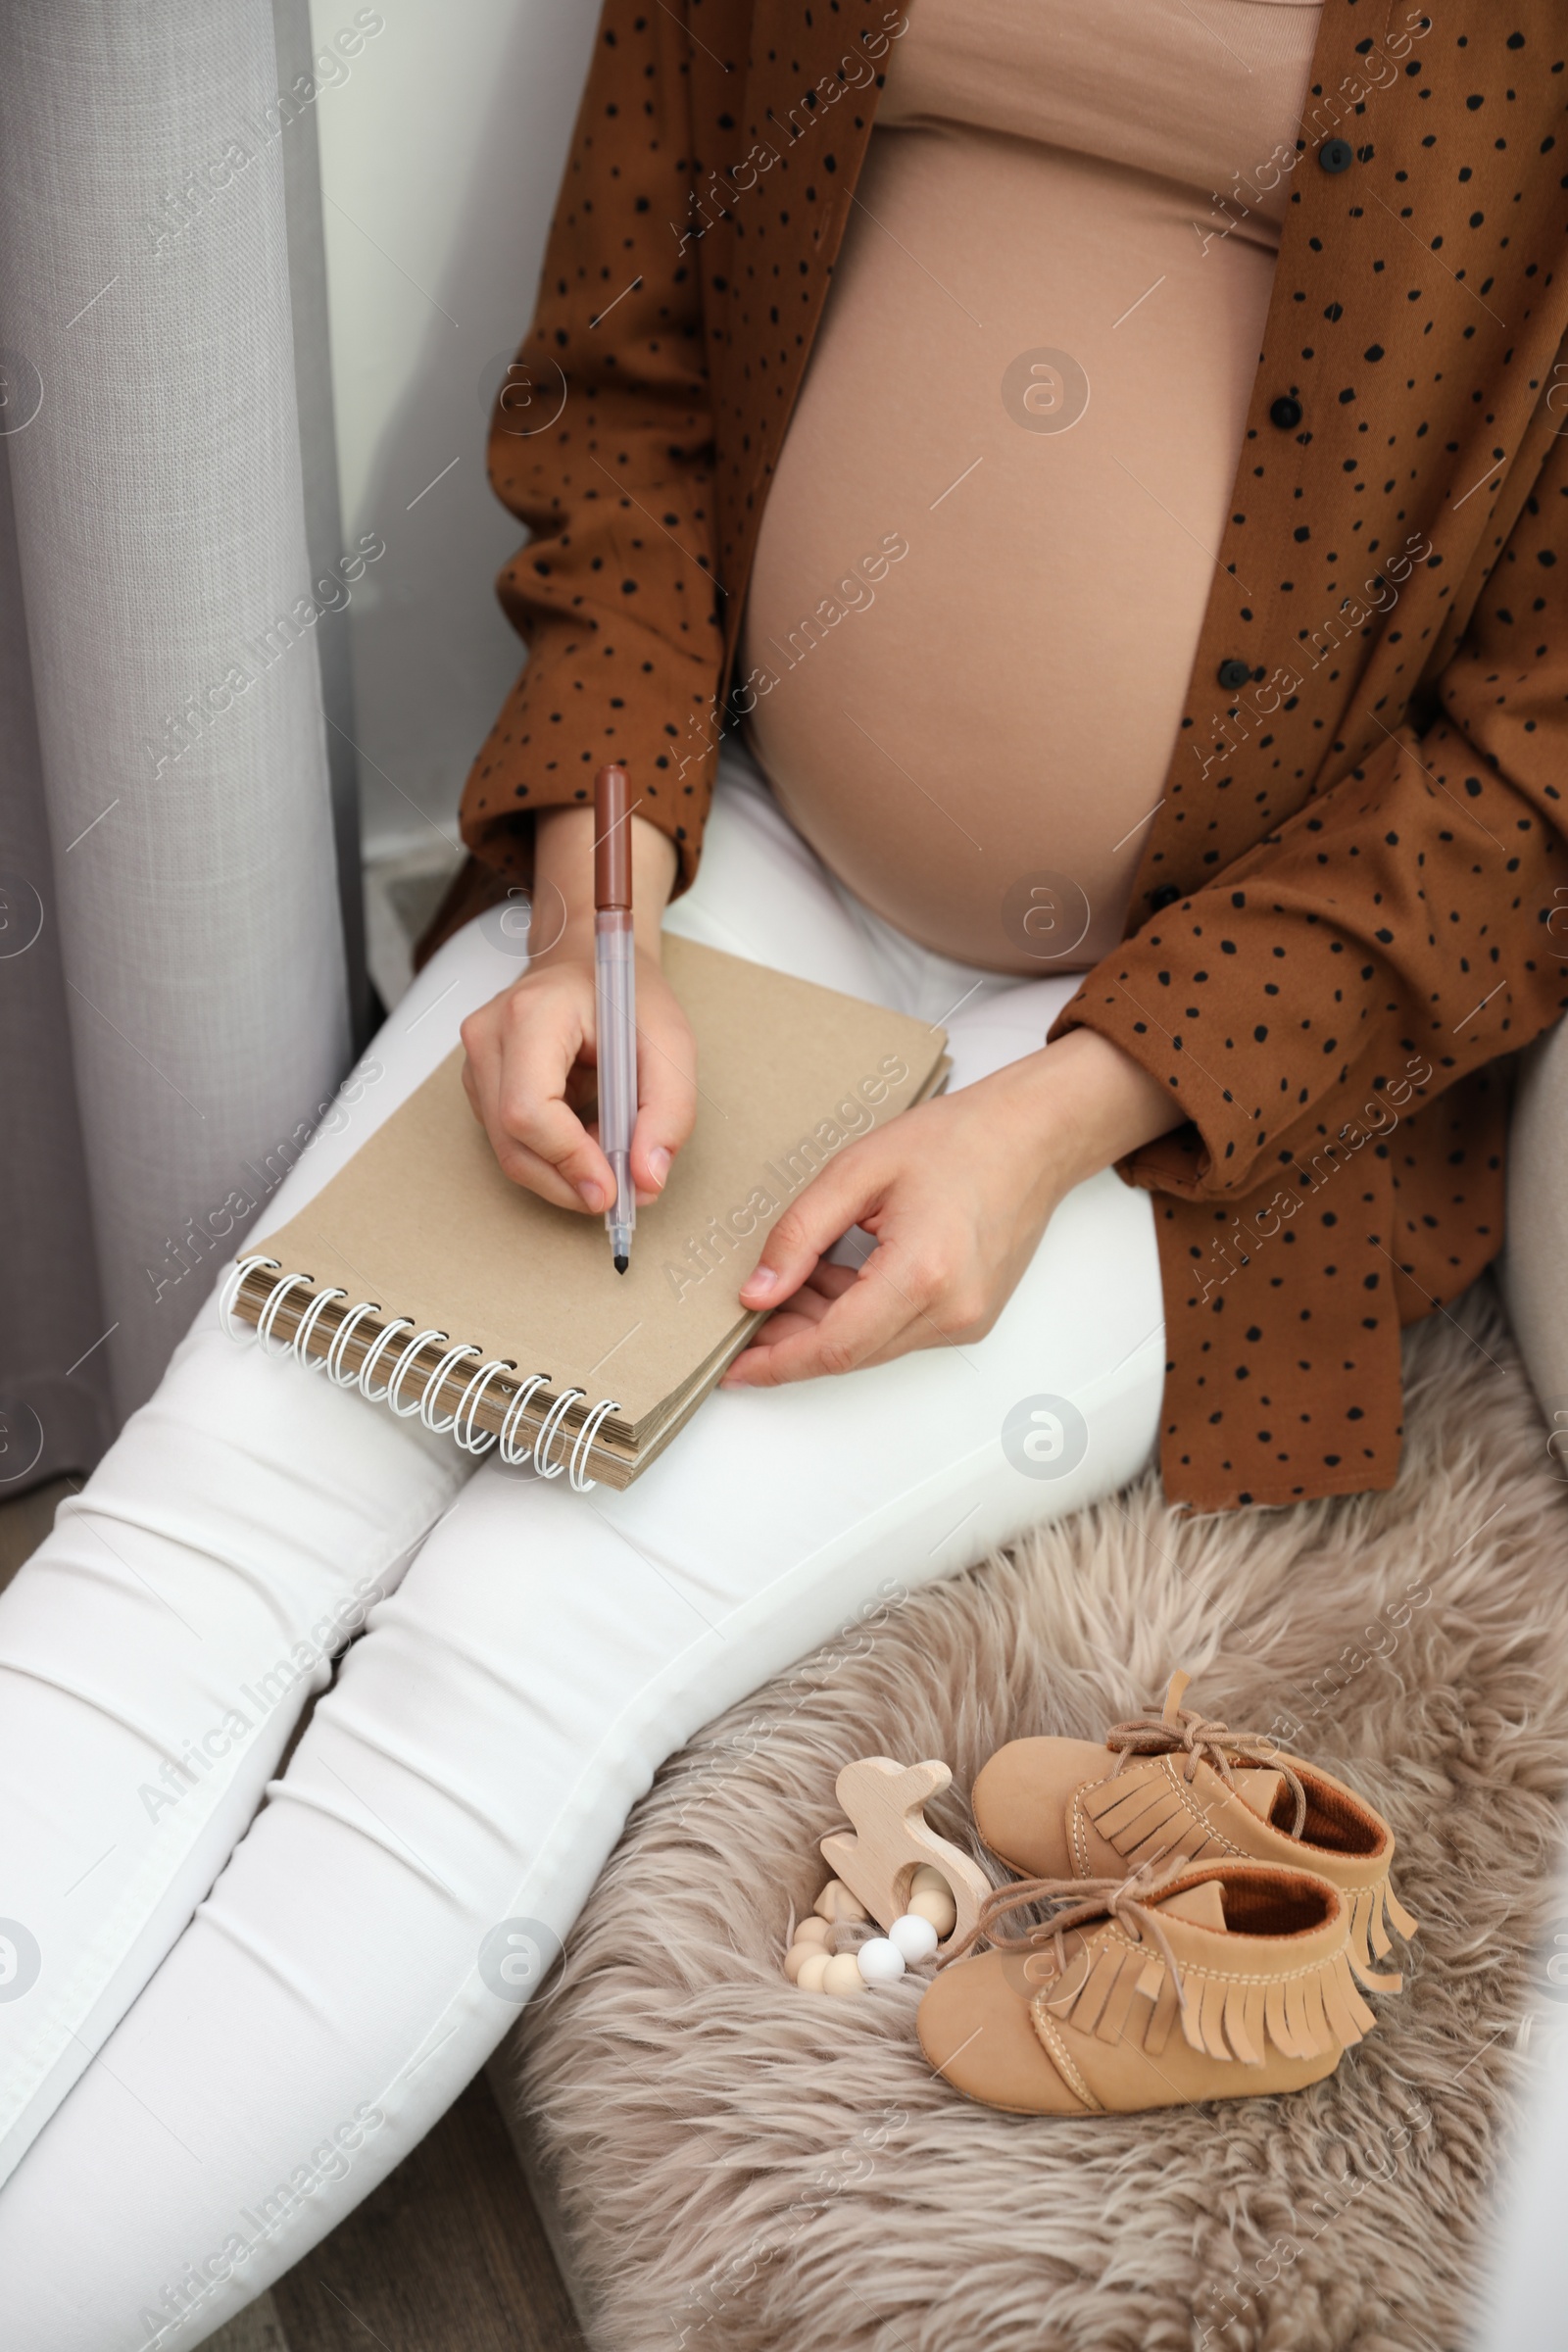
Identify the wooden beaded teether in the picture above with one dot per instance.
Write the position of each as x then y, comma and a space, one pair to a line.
894, 1870
893, 1847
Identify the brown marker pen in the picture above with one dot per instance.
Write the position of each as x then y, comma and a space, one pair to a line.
616, 999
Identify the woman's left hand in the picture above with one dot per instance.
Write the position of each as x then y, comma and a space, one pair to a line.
957, 1194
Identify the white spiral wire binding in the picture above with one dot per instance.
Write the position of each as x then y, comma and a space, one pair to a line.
394, 1387
363, 1378
308, 1323
584, 1446
433, 1387
550, 1430
461, 1423
336, 1355
269, 1314
512, 1453
233, 1284
478, 1440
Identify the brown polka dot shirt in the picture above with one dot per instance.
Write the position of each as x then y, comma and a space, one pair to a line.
1354, 900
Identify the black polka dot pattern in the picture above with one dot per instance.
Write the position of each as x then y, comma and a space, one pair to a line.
686, 271
1366, 844
1355, 894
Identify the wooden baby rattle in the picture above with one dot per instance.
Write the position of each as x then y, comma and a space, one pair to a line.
893, 1862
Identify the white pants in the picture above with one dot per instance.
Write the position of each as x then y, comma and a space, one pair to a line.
223, 2020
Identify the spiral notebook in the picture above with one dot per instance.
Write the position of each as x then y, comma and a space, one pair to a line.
420, 1275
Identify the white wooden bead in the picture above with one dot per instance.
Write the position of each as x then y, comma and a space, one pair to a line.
842, 1974
836, 1903
813, 1930
880, 1961
937, 1905
813, 1969
914, 1936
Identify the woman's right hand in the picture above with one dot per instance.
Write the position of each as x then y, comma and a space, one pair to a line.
530, 1073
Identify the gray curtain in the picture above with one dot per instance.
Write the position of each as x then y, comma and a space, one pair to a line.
177, 989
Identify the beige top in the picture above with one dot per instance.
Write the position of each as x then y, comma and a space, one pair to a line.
987, 552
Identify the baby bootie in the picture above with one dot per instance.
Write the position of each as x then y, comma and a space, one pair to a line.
1175, 1983
1177, 1786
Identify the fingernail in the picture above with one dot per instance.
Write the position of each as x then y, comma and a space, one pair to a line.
591, 1194
758, 1285
658, 1164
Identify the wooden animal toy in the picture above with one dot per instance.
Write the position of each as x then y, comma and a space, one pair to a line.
893, 1863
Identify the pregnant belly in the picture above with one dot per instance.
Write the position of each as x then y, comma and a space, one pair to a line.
990, 540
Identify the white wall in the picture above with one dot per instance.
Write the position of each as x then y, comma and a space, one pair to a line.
441, 154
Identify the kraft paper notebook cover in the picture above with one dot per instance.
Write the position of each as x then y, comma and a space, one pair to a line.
515, 1305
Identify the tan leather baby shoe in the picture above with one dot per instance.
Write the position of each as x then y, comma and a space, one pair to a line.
1224, 1980
1174, 1785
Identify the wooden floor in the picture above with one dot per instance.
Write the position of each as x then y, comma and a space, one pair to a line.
447, 2255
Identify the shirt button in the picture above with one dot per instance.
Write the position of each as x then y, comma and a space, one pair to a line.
1336, 155
1285, 413
1233, 673
1165, 895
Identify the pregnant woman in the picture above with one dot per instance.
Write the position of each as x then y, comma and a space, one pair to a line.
1057, 509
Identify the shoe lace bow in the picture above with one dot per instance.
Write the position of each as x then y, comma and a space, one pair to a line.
1204, 1740
1129, 1903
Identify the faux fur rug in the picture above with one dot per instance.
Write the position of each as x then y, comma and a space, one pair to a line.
743, 2168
